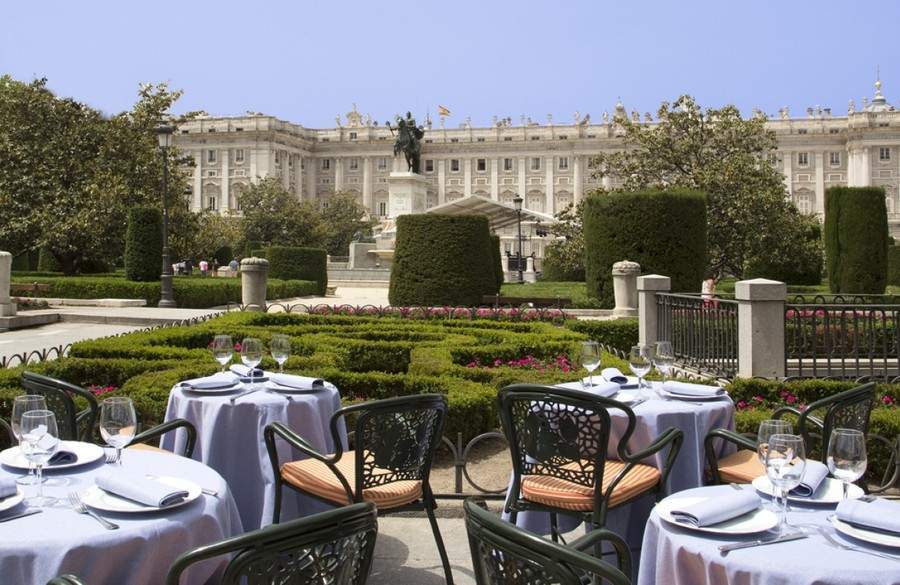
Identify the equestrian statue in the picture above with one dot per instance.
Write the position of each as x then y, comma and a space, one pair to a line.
408, 140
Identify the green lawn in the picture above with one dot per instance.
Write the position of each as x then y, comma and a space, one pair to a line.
726, 286
569, 290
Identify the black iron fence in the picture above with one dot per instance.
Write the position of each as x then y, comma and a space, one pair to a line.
703, 332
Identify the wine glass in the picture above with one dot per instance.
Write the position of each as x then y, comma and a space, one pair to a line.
281, 349
664, 358
21, 405
222, 350
767, 428
251, 355
640, 360
590, 359
785, 462
40, 440
117, 423
847, 456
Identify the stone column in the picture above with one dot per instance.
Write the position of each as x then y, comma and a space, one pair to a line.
820, 183
523, 183
442, 181
312, 186
549, 198
495, 179
530, 275
7, 307
789, 172
368, 203
225, 195
647, 287
254, 165
760, 327
338, 173
254, 278
467, 177
578, 179
625, 274
197, 199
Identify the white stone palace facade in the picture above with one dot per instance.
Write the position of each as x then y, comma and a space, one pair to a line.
548, 163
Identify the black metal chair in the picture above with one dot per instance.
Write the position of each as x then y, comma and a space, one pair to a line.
503, 553
80, 425
850, 409
558, 440
66, 580
395, 443
7, 438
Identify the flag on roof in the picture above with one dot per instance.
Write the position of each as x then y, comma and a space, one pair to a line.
443, 111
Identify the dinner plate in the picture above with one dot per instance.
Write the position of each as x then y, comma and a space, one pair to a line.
685, 397
760, 520
95, 497
11, 502
217, 390
872, 536
830, 492
85, 452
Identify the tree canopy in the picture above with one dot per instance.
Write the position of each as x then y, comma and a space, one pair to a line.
343, 217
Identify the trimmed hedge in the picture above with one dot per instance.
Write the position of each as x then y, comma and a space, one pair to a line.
621, 334
26, 261
663, 231
893, 277
143, 244
224, 255
442, 260
291, 263
856, 239
498, 261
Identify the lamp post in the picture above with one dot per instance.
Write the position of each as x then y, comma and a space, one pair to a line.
518, 203
166, 297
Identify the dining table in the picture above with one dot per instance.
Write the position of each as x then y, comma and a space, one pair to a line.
58, 540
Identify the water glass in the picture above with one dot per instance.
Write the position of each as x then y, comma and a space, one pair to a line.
39, 441
664, 358
767, 428
118, 423
21, 405
640, 360
785, 462
222, 349
590, 359
251, 355
280, 347
846, 456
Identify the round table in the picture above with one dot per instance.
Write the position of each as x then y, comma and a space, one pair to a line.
230, 440
37, 548
680, 556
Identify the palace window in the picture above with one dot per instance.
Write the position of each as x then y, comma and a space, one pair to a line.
884, 153
563, 137
479, 139
354, 164
429, 165
535, 163
382, 208
239, 155
507, 139
481, 164
835, 159
454, 140
833, 131
563, 163
382, 164
211, 156
454, 165
803, 159
326, 164
804, 203
353, 135
801, 131
507, 164
535, 137
211, 203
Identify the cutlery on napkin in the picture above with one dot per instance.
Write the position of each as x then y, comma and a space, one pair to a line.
219, 380
28, 512
614, 375
139, 488
879, 514
762, 542
245, 372
718, 509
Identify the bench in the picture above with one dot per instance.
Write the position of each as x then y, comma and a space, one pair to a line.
24, 287
536, 302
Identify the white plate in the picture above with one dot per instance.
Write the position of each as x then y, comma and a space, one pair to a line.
220, 390
275, 387
882, 538
759, 520
12, 501
830, 492
102, 500
86, 453
674, 396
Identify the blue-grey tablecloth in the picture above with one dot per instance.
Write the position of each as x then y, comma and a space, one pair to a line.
37, 548
230, 440
678, 556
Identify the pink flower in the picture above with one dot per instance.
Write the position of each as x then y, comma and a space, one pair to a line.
887, 400
758, 398
741, 405
791, 399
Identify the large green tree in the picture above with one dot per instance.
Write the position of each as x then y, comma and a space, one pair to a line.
343, 217
273, 216
718, 152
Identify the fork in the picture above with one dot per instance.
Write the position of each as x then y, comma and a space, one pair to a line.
78, 506
840, 545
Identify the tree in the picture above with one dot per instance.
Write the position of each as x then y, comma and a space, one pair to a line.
343, 217
564, 259
274, 217
717, 152
212, 232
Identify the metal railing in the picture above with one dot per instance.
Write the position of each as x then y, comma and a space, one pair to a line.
703, 332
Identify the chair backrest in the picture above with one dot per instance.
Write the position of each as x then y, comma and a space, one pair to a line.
66, 580
334, 547
396, 439
503, 553
7, 438
850, 409
74, 425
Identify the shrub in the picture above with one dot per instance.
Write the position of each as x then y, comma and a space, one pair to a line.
498, 261
143, 244
555, 268
663, 231
619, 334
442, 260
26, 261
47, 262
804, 268
893, 277
856, 239
290, 263
224, 255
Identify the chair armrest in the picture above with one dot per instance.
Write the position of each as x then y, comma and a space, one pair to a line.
800, 414
84, 425
623, 554
669, 436
731, 437
174, 424
297, 442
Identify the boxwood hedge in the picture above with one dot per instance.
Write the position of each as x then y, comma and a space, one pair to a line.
293, 263
856, 239
143, 244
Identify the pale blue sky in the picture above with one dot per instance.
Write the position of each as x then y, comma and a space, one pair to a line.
308, 61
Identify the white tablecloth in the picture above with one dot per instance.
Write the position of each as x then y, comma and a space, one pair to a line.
37, 548
230, 440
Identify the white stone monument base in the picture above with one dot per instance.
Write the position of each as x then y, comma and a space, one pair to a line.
7, 309
406, 194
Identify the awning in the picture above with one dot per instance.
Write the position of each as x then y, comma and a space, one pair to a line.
500, 215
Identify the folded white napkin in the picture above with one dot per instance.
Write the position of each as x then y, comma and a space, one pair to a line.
601, 387
140, 488
878, 514
696, 390
245, 372
297, 382
8, 486
718, 509
219, 380
63, 457
814, 472
613, 375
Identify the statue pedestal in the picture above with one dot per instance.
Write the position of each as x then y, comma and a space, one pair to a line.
406, 194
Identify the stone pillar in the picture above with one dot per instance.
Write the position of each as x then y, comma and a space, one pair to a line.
789, 172
298, 177
647, 287
225, 195
495, 179
760, 327
523, 183
549, 198
254, 165
368, 202
285, 158
820, 184
467, 177
529, 275
197, 199
578, 179
442, 181
312, 183
338, 173
7, 307
254, 278
625, 274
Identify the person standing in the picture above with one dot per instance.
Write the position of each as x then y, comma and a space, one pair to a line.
204, 267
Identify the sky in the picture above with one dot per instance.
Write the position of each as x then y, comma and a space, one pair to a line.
307, 62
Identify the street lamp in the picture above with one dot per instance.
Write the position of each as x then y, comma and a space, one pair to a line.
518, 204
167, 296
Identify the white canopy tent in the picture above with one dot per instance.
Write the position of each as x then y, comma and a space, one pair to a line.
500, 215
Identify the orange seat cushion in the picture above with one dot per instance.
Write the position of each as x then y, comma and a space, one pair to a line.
146, 447
740, 467
565, 495
314, 477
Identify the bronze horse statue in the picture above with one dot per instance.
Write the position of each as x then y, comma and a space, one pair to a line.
408, 141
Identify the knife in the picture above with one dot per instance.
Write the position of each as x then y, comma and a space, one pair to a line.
762, 541
21, 515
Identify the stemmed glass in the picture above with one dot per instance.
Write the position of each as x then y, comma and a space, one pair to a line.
222, 349
664, 358
590, 359
118, 422
21, 405
281, 349
40, 440
767, 428
251, 356
785, 462
640, 360
847, 456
